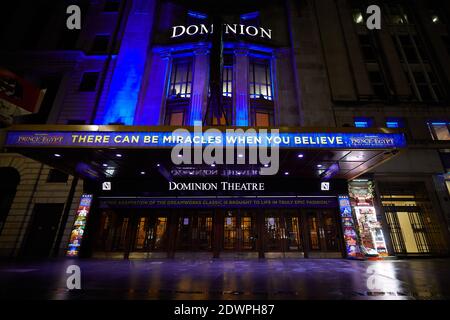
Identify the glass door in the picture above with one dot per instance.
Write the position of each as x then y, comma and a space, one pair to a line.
230, 231
322, 229
239, 230
151, 233
292, 226
194, 231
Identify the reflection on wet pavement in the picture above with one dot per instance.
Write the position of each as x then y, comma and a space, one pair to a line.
229, 279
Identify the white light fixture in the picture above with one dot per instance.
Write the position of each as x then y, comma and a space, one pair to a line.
319, 166
286, 173
142, 172
300, 155
158, 165
105, 165
240, 155
57, 155
118, 155
266, 165
213, 164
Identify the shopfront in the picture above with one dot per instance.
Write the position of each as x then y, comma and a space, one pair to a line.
138, 204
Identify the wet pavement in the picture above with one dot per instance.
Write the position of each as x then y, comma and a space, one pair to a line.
229, 279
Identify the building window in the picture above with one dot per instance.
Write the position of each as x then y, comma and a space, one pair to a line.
111, 6
227, 81
55, 175
377, 81
176, 118
260, 80
440, 130
88, 82
181, 80
367, 48
100, 43
262, 119
363, 122
397, 13
418, 69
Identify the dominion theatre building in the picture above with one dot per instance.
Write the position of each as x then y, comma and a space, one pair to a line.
89, 117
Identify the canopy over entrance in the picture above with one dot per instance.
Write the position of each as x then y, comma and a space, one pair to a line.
134, 151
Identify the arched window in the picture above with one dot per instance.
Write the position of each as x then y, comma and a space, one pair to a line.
10, 180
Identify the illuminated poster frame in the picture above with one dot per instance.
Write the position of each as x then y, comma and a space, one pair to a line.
79, 225
348, 226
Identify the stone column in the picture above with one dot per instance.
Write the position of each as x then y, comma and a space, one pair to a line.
241, 98
200, 83
152, 100
130, 65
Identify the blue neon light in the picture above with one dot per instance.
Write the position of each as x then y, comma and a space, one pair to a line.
197, 15
163, 139
361, 124
392, 124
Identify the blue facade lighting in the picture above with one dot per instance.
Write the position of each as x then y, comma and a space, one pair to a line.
392, 124
361, 124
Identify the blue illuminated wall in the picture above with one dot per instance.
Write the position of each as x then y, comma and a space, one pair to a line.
129, 69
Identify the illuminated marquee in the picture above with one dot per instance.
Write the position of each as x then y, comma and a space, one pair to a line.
155, 139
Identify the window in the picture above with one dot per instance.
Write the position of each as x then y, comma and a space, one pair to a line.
176, 118
363, 122
260, 80
397, 13
262, 119
367, 48
100, 43
418, 69
377, 81
112, 5
88, 81
440, 130
227, 81
55, 175
180, 80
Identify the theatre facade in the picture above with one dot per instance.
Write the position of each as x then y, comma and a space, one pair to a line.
358, 151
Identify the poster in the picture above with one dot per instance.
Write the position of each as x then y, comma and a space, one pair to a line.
79, 225
350, 235
369, 225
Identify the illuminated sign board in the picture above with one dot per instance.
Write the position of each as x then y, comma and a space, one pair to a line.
76, 236
222, 202
348, 225
116, 139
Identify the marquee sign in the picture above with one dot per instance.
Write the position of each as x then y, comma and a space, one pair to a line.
206, 203
229, 138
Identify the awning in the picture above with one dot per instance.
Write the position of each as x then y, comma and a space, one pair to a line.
102, 151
